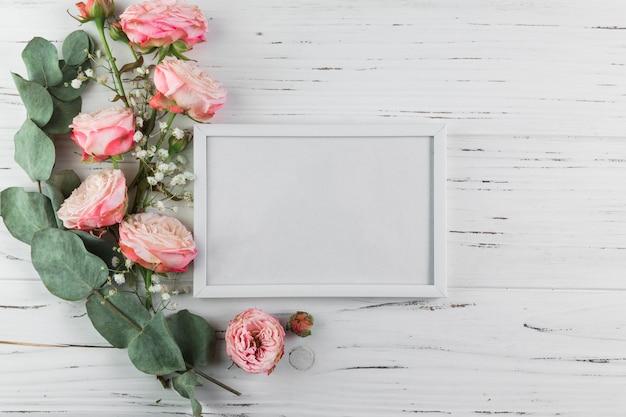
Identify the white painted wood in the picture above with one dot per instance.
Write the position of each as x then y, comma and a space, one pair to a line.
320, 210
533, 97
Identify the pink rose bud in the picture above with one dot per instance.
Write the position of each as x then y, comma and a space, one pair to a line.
255, 341
300, 323
99, 201
95, 9
104, 133
182, 87
157, 242
161, 23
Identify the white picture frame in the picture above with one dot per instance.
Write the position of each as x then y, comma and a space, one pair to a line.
320, 210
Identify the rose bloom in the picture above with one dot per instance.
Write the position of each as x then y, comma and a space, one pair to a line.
182, 87
160, 23
254, 341
104, 133
101, 200
95, 8
300, 323
157, 242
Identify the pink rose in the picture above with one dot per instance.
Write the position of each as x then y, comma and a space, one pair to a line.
182, 87
161, 23
254, 341
95, 8
104, 133
99, 201
157, 242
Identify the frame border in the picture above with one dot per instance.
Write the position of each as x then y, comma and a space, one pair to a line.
438, 132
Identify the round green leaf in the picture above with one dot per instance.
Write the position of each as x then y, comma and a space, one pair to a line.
119, 318
58, 187
185, 385
194, 336
42, 62
34, 151
64, 91
62, 116
25, 213
66, 268
76, 48
154, 351
36, 98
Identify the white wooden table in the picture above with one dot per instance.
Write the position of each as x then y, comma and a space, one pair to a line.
534, 96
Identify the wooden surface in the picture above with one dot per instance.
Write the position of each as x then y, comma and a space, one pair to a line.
534, 96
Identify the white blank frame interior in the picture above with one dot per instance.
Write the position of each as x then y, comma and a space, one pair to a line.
320, 211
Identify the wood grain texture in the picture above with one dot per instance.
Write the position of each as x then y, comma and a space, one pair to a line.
534, 97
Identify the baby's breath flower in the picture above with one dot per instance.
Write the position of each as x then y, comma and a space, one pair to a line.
175, 209
98, 53
187, 196
163, 126
159, 176
139, 122
143, 71
163, 153
181, 159
171, 167
76, 83
155, 288
119, 278
152, 180
115, 261
128, 263
102, 79
162, 167
89, 72
151, 151
160, 205
165, 296
189, 175
178, 133
137, 136
141, 153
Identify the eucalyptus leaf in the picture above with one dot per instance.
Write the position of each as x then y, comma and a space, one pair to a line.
62, 116
194, 336
104, 247
154, 351
58, 187
34, 151
76, 48
119, 318
36, 99
185, 385
42, 62
64, 91
65, 267
25, 213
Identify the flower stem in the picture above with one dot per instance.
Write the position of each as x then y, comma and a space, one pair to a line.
116, 72
215, 381
170, 120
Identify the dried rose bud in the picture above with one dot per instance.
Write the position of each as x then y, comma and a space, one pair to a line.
300, 323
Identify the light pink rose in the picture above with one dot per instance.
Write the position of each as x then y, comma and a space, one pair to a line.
157, 242
161, 23
183, 87
255, 341
104, 133
101, 200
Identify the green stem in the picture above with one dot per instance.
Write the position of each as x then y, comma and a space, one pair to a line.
147, 280
213, 380
117, 311
116, 72
170, 120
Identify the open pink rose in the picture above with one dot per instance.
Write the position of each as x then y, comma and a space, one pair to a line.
157, 242
183, 87
161, 23
255, 341
98, 202
104, 133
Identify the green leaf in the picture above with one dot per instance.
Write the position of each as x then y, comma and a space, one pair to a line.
25, 213
34, 151
118, 318
154, 350
76, 48
103, 247
64, 91
58, 187
194, 336
66, 268
36, 98
42, 62
185, 385
62, 116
